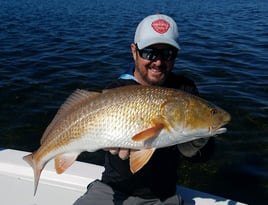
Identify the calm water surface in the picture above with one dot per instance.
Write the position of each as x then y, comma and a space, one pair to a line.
50, 48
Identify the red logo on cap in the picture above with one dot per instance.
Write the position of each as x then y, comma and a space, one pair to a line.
160, 26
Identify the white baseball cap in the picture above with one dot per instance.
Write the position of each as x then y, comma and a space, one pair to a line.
156, 29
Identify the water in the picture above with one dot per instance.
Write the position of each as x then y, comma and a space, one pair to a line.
50, 48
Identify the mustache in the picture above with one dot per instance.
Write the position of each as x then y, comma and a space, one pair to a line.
158, 68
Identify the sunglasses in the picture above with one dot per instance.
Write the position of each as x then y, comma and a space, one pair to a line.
151, 54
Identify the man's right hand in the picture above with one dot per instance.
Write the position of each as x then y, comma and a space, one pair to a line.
123, 153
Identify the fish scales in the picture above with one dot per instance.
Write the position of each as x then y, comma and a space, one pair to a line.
104, 115
136, 117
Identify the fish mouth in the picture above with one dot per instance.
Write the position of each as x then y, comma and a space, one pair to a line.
220, 131
217, 129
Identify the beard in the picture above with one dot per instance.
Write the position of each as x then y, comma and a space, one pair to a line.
156, 75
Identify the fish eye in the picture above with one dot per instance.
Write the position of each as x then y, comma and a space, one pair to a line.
213, 111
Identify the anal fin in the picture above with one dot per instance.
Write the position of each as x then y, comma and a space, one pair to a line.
64, 161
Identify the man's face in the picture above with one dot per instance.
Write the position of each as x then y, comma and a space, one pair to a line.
153, 64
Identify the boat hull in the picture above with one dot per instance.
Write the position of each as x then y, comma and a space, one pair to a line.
17, 183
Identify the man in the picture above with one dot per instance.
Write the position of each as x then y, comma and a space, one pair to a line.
154, 51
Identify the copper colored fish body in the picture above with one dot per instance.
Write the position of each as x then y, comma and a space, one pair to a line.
141, 118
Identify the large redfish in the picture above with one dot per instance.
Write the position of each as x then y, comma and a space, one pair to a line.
141, 118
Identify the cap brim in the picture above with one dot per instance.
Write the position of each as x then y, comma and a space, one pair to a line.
152, 41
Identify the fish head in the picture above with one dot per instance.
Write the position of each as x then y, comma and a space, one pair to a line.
204, 117
194, 117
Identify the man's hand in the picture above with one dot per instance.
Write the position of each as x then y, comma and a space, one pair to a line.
122, 152
189, 149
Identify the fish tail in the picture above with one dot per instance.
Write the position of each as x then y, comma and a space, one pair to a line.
37, 171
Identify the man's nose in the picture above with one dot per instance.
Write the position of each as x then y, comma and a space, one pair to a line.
159, 60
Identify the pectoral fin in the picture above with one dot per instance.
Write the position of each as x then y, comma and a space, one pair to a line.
64, 161
149, 133
138, 158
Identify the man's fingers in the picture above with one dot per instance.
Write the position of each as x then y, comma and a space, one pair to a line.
124, 153
114, 151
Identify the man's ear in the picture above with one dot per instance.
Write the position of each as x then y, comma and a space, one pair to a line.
134, 51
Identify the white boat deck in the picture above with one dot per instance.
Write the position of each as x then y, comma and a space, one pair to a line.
16, 183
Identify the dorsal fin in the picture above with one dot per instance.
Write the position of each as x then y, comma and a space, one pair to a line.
78, 97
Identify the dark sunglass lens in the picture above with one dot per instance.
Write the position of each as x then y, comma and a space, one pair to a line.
169, 54
152, 53
148, 54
